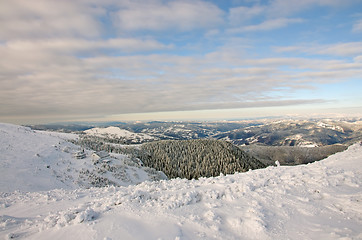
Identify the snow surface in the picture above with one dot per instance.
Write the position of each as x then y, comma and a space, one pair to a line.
322, 200
39, 161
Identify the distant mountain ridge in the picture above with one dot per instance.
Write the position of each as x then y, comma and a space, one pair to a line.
268, 132
297, 133
116, 132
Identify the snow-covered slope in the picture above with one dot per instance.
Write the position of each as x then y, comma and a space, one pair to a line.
35, 161
116, 132
322, 200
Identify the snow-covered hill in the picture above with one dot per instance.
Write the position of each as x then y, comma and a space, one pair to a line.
36, 161
116, 132
322, 200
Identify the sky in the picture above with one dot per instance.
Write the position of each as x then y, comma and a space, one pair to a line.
101, 60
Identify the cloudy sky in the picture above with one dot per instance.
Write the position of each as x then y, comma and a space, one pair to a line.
151, 59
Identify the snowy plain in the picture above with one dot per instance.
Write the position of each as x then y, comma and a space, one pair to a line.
321, 200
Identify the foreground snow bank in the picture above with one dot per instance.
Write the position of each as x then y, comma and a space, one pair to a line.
322, 200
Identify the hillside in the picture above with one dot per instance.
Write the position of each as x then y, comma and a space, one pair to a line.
322, 200
38, 160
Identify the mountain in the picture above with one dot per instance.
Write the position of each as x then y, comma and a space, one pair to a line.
39, 160
304, 133
321, 200
268, 132
186, 130
121, 134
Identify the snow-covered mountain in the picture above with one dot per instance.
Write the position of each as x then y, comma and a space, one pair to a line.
268, 132
322, 200
38, 160
116, 132
303, 133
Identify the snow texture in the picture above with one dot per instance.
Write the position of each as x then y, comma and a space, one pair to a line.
322, 200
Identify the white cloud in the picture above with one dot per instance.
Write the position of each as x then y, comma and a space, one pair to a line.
65, 58
241, 14
44, 83
267, 25
278, 14
357, 27
342, 49
172, 15
338, 49
76, 45
48, 18
286, 8
358, 59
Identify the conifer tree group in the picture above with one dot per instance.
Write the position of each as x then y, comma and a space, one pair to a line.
196, 158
